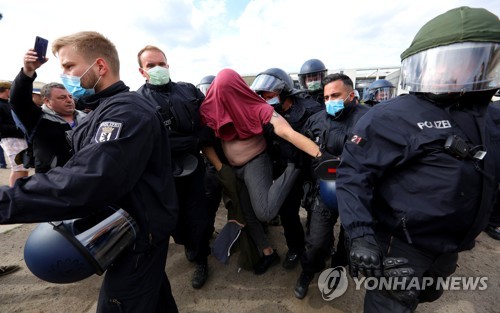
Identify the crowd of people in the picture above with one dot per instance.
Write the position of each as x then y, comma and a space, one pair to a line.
417, 182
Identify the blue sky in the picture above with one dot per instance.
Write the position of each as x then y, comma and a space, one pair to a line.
204, 36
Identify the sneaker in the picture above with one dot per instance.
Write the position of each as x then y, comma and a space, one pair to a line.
200, 276
302, 285
291, 260
8, 269
266, 262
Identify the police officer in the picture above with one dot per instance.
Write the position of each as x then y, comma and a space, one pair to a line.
213, 187
106, 169
179, 103
311, 74
329, 129
419, 175
296, 106
379, 90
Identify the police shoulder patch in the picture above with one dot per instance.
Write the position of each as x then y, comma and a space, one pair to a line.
108, 131
357, 140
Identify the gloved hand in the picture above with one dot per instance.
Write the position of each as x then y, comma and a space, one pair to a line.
365, 257
402, 274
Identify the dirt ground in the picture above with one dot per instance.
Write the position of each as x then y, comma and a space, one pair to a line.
227, 289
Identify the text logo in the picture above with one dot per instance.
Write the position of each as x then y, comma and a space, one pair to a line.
434, 124
332, 283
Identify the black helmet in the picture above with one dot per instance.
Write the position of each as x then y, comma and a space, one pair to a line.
72, 250
205, 82
314, 70
273, 80
378, 91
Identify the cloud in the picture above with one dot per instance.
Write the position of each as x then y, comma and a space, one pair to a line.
200, 37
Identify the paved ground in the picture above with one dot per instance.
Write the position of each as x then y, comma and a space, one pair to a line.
230, 290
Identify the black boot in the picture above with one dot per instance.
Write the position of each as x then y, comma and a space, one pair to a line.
302, 285
200, 276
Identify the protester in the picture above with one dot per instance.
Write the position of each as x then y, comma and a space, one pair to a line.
12, 138
239, 117
47, 125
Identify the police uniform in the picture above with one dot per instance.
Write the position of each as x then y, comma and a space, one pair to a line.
121, 157
382, 171
330, 133
283, 152
179, 104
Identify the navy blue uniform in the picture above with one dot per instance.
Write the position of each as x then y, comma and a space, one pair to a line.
330, 134
397, 182
283, 152
179, 104
121, 157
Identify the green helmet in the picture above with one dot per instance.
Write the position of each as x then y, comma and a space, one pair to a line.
457, 51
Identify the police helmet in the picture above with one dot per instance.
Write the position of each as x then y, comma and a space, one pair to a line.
311, 74
273, 80
457, 51
72, 250
378, 91
327, 173
328, 194
205, 82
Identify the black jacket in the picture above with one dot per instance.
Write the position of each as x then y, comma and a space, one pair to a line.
179, 104
50, 145
396, 176
8, 128
122, 157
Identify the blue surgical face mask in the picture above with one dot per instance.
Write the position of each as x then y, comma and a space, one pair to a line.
73, 84
159, 75
335, 106
273, 101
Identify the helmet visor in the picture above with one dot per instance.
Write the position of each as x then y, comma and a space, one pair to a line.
204, 88
265, 82
460, 67
384, 93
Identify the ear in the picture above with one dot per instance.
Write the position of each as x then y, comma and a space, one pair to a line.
102, 65
143, 73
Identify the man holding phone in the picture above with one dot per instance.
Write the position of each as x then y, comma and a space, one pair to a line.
46, 126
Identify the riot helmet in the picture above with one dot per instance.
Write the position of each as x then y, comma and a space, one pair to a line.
205, 82
72, 250
456, 52
273, 80
311, 75
378, 91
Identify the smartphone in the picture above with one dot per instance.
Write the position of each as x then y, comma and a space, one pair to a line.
41, 45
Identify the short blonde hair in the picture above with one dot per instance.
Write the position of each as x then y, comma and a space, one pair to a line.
91, 45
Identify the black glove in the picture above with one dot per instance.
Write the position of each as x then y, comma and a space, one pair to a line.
398, 269
365, 257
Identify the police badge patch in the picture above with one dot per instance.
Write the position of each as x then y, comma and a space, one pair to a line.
108, 131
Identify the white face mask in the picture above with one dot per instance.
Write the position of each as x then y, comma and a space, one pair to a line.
159, 75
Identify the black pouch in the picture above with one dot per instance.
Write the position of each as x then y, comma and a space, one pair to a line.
26, 158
